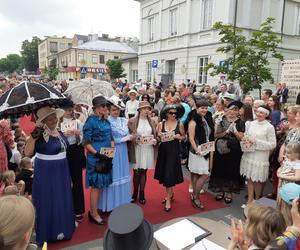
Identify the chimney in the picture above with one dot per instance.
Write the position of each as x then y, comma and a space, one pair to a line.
90, 37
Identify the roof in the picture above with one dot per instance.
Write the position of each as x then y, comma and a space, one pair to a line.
135, 56
107, 46
81, 37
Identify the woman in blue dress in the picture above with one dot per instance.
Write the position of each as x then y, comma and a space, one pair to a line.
97, 134
119, 192
51, 191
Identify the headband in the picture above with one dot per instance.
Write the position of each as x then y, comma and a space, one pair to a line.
263, 110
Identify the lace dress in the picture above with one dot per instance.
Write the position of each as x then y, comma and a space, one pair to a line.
255, 165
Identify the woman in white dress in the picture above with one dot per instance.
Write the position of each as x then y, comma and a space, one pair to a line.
141, 155
255, 165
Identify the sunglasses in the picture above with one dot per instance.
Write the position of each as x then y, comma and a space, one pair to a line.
172, 113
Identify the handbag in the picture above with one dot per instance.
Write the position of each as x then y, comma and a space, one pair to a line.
104, 164
222, 146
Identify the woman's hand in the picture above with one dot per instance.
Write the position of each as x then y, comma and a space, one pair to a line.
177, 136
154, 142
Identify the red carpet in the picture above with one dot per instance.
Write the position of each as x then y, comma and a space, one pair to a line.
153, 211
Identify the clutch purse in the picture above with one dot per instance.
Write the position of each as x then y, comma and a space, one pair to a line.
104, 164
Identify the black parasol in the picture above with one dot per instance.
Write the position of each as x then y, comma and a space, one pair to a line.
27, 97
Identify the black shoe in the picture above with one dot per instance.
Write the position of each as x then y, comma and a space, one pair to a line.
134, 198
92, 219
79, 218
220, 196
142, 199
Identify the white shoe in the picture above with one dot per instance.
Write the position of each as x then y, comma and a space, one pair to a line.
202, 191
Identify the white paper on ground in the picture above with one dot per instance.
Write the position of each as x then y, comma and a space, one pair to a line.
205, 244
178, 235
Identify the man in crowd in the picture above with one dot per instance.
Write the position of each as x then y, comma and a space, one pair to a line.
265, 95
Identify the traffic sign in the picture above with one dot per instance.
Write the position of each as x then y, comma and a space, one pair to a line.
83, 70
154, 64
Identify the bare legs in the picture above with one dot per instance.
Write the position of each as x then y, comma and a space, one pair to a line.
254, 190
94, 197
169, 197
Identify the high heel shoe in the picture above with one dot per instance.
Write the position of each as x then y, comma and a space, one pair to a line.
168, 209
92, 219
220, 196
196, 203
134, 198
142, 199
165, 199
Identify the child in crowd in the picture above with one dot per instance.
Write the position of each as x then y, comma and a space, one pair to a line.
290, 169
154, 115
26, 174
11, 187
263, 225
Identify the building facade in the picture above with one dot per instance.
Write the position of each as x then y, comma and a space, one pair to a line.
179, 35
89, 59
48, 49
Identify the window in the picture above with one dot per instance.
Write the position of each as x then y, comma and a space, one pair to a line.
148, 71
298, 21
69, 45
116, 57
202, 76
61, 46
173, 22
134, 75
80, 57
207, 6
151, 29
94, 59
53, 47
102, 59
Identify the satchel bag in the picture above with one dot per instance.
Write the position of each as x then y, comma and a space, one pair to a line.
104, 164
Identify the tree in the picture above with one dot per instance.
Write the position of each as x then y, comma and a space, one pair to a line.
52, 72
30, 54
115, 69
11, 63
248, 57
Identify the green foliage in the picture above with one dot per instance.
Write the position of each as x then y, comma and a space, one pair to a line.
11, 63
115, 69
30, 53
52, 72
248, 57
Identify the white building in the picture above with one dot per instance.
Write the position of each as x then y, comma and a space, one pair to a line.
178, 33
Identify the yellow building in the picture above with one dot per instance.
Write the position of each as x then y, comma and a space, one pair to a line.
88, 59
48, 49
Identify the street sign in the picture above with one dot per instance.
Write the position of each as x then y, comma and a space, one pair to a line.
83, 70
154, 64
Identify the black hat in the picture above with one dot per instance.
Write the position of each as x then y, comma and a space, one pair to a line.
127, 229
98, 101
179, 108
67, 103
235, 103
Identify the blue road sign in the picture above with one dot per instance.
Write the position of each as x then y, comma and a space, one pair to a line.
83, 70
154, 64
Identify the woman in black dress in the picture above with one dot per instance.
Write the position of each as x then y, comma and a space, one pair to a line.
225, 175
168, 167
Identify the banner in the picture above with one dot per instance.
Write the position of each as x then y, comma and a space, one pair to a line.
290, 75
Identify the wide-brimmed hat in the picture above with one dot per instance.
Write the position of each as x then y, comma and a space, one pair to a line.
127, 229
44, 112
132, 91
98, 101
144, 104
229, 96
179, 109
116, 101
236, 103
289, 192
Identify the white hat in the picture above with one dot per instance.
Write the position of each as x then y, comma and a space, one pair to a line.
44, 112
116, 101
132, 92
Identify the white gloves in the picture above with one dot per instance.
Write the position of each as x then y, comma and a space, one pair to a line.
126, 138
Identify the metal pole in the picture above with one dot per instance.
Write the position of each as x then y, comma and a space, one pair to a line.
234, 28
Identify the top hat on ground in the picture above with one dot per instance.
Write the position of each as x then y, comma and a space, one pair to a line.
127, 229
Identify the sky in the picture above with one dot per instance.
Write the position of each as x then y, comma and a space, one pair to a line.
23, 19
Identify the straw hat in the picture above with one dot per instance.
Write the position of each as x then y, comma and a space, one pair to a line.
44, 112
144, 104
132, 92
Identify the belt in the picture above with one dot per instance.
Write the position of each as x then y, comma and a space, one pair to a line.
59, 156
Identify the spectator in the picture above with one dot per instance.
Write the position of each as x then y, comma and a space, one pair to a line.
223, 90
16, 222
265, 95
131, 105
284, 94
274, 104
26, 174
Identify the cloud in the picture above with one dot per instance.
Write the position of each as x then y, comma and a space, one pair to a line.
23, 19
